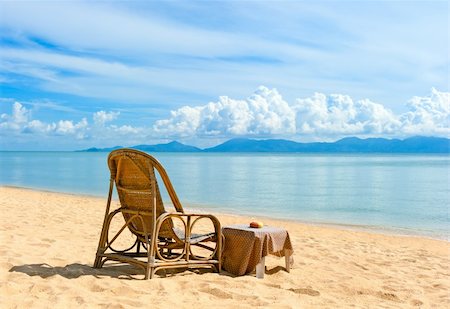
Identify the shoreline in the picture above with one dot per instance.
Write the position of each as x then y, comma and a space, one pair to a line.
388, 231
370, 229
333, 267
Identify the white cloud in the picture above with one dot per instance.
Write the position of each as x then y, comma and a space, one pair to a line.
18, 117
183, 122
37, 126
265, 113
428, 115
126, 130
67, 127
102, 117
20, 122
339, 115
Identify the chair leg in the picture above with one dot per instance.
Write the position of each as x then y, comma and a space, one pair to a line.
147, 273
217, 268
100, 250
105, 227
152, 272
98, 261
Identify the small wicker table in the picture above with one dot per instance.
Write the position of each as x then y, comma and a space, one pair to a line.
246, 248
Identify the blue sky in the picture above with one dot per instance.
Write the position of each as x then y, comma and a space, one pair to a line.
76, 74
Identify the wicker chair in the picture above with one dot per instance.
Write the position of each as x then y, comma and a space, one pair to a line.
158, 243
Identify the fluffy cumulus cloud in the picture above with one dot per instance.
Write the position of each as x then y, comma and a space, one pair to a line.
262, 114
266, 113
20, 122
428, 115
126, 130
17, 119
67, 127
102, 117
340, 115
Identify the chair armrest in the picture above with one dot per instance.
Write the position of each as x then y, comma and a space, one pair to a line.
213, 218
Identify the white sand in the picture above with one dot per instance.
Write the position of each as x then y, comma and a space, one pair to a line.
48, 244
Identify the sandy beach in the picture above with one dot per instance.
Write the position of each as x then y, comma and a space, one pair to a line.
49, 242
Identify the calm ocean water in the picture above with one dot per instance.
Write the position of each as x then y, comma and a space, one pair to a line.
408, 194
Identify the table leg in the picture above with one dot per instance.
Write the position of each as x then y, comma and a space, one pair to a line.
261, 268
287, 257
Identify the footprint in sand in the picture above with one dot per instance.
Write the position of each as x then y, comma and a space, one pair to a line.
276, 286
360, 266
439, 286
306, 291
388, 296
409, 260
416, 302
80, 300
96, 288
218, 293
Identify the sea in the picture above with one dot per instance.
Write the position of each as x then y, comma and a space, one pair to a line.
391, 193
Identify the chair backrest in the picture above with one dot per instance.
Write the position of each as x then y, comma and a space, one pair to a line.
133, 172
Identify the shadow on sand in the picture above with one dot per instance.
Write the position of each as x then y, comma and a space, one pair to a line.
77, 270
121, 271
113, 270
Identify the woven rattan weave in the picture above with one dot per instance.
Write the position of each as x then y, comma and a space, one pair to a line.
158, 243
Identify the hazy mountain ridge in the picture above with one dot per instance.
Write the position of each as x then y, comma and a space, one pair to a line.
417, 144
173, 146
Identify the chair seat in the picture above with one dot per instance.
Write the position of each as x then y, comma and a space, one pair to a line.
195, 238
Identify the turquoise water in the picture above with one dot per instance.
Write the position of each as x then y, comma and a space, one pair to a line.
407, 194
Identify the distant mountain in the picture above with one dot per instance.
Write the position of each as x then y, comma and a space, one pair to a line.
94, 149
345, 145
251, 145
169, 147
418, 144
